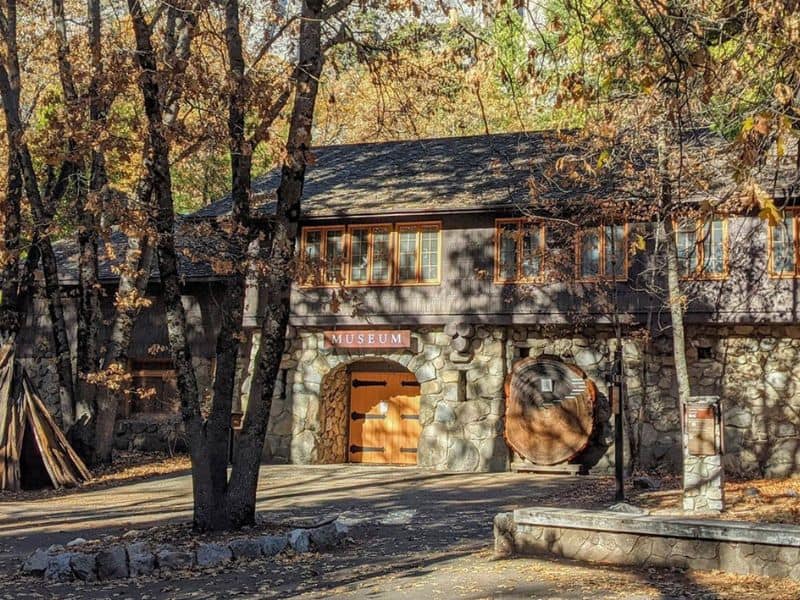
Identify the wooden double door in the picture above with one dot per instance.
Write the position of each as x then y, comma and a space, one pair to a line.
384, 418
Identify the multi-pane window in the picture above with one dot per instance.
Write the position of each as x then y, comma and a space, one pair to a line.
323, 255
702, 248
520, 250
418, 253
602, 252
370, 255
783, 247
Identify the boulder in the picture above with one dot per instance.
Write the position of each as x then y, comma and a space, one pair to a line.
273, 544
299, 540
646, 483
168, 558
462, 456
141, 560
76, 542
112, 563
84, 565
245, 548
328, 536
213, 555
36, 563
58, 568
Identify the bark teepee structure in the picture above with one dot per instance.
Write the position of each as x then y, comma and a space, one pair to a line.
33, 449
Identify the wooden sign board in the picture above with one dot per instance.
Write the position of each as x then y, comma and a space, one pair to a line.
701, 430
368, 339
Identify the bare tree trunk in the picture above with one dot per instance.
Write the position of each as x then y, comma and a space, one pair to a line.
133, 281
280, 256
232, 310
10, 88
159, 169
88, 206
675, 297
10, 314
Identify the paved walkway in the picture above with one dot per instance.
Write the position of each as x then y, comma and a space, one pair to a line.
421, 535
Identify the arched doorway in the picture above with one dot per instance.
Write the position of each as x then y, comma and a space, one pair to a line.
373, 406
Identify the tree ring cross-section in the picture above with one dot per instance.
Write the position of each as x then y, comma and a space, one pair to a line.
550, 408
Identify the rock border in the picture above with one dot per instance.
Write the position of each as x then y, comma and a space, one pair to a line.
138, 559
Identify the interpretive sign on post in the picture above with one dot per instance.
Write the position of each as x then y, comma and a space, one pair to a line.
702, 430
703, 475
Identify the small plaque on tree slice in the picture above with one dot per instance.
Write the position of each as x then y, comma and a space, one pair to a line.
550, 408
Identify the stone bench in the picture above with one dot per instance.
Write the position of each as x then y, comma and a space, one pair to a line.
650, 540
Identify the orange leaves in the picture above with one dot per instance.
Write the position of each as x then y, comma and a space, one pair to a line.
783, 93
114, 378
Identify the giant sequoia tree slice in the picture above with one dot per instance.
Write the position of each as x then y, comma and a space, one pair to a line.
549, 410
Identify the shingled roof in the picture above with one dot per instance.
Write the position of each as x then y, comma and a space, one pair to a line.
431, 175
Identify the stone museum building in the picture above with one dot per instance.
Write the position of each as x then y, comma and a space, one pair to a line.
423, 291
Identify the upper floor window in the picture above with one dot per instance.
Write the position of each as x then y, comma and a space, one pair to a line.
519, 247
418, 253
702, 248
783, 247
323, 251
371, 254
602, 253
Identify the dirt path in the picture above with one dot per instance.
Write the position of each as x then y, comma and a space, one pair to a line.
415, 534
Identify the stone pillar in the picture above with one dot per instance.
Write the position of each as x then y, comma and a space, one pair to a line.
703, 473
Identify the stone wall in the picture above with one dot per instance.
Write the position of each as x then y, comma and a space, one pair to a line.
462, 368
657, 541
756, 372
461, 399
462, 371
333, 419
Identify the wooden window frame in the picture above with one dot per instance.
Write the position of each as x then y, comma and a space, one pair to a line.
699, 273
320, 280
602, 276
794, 214
498, 233
370, 248
393, 230
149, 368
418, 227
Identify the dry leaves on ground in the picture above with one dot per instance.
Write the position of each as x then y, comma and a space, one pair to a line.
758, 500
126, 467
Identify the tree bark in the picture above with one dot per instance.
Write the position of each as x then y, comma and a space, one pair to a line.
218, 427
89, 204
10, 88
133, 281
159, 170
10, 313
280, 256
675, 297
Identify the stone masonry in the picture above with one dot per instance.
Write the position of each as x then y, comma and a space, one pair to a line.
755, 369
462, 373
658, 541
461, 403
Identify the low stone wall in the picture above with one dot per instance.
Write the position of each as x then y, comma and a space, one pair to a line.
150, 433
643, 540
